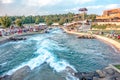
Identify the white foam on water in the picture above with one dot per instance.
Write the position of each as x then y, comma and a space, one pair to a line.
70, 77
45, 56
18, 46
56, 31
55, 63
3, 64
44, 47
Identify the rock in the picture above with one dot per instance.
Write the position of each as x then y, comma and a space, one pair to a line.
6, 77
88, 75
83, 78
84, 75
70, 70
78, 75
86, 37
115, 78
79, 37
21, 73
101, 73
110, 71
95, 78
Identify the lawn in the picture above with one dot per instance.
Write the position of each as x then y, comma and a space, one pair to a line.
117, 66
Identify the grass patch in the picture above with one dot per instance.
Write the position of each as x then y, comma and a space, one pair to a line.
117, 66
99, 26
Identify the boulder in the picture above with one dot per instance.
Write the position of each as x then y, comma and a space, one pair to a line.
95, 78
110, 71
21, 73
84, 75
6, 77
101, 73
116, 78
78, 75
70, 70
83, 78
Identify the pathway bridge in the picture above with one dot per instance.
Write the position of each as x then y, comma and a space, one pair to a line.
79, 25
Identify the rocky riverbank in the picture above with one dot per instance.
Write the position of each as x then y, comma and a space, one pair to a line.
20, 74
7, 38
106, 74
86, 37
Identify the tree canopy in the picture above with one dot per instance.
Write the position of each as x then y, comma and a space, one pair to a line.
18, 22
37, 20
62, 21
48, 19
5, 21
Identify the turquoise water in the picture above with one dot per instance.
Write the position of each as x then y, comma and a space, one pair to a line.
49, 54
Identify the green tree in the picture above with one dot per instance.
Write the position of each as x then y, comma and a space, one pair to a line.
37, 20
70, 17
5, 21
48, 20
12, 18
92, 17
62, 21
23, 19
41, 19
18, 22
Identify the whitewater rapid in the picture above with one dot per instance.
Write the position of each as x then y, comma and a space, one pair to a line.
44, 50
58, 51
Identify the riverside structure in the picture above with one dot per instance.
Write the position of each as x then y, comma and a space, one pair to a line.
111, 16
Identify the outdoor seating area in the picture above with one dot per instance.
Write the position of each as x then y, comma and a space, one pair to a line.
18, 30
114, 36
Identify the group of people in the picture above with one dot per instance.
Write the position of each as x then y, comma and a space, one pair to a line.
17, 30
